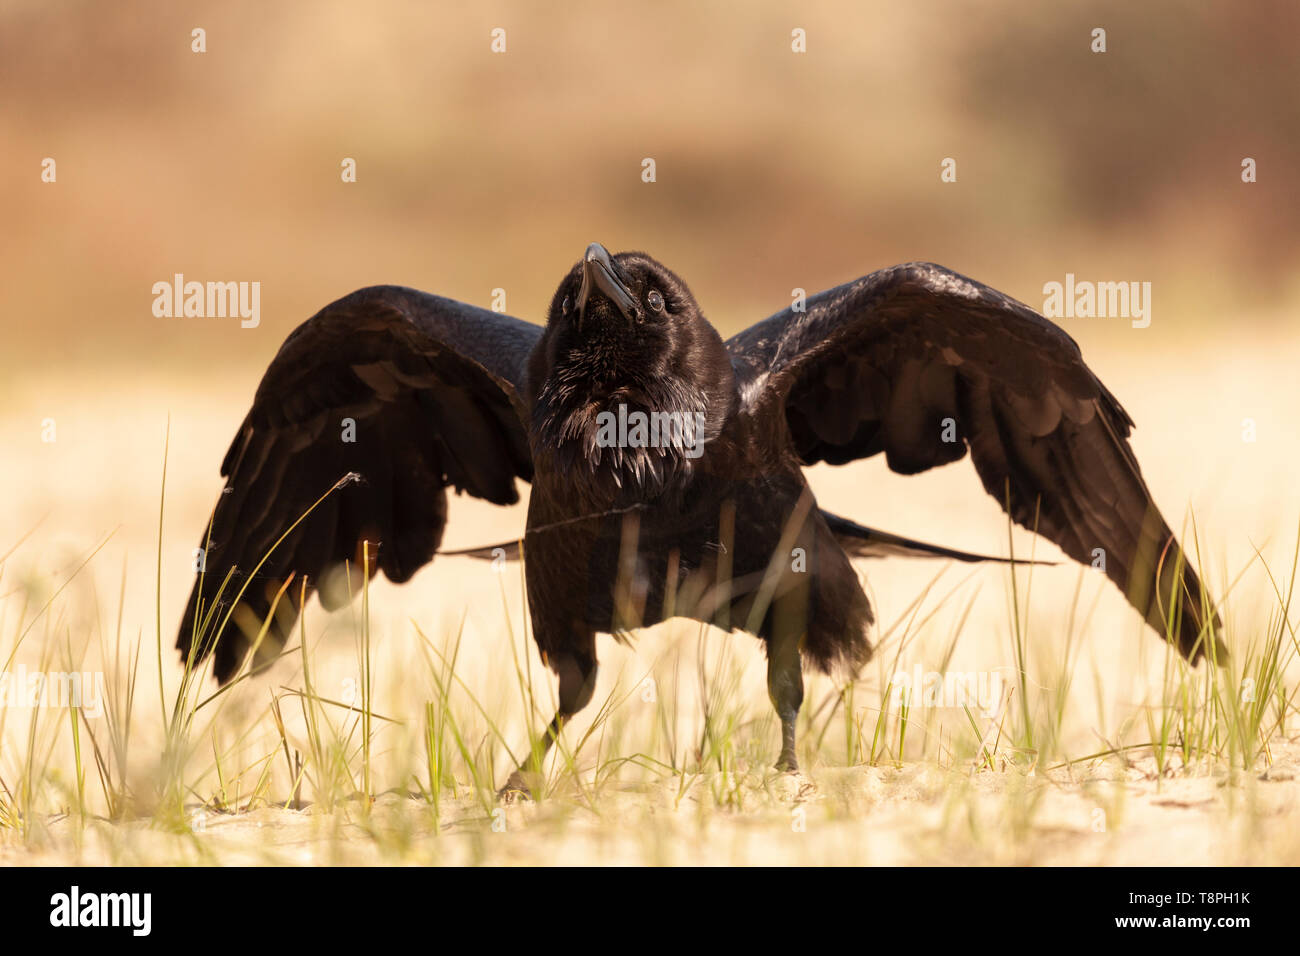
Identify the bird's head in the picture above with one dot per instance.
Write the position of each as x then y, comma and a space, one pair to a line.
627, 299
624, 332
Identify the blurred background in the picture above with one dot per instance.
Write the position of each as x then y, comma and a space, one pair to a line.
774, 170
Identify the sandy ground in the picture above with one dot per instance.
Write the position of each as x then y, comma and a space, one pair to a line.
916, 814
102, 476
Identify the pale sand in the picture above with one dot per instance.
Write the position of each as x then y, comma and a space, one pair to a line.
103, 473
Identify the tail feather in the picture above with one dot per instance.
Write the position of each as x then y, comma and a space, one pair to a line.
509, 550
1194, 633
860, 541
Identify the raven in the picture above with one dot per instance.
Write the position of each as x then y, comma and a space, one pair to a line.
666, 464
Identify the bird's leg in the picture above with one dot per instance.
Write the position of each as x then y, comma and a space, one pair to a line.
785, 689
577, 674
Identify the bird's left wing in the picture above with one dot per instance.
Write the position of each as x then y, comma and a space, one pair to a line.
924, 364
370, 410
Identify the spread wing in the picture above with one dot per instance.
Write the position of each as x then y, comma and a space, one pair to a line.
370, 410
924, 365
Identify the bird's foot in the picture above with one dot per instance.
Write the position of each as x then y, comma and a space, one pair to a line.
791, 783
788, 762
515, 790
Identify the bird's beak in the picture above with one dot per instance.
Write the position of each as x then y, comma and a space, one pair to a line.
598, 275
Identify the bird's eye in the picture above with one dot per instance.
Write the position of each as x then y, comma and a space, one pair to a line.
656, 300
564, 306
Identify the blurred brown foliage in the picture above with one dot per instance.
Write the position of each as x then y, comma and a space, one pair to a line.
775, 170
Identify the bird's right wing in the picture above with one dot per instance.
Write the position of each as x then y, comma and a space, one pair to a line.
370, 410
924, 365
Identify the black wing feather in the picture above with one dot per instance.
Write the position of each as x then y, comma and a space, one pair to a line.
903, 359
433, 390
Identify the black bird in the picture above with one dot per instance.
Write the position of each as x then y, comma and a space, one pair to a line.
667, 464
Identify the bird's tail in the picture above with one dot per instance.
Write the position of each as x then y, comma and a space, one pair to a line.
857, 540
507, 550
860, 541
